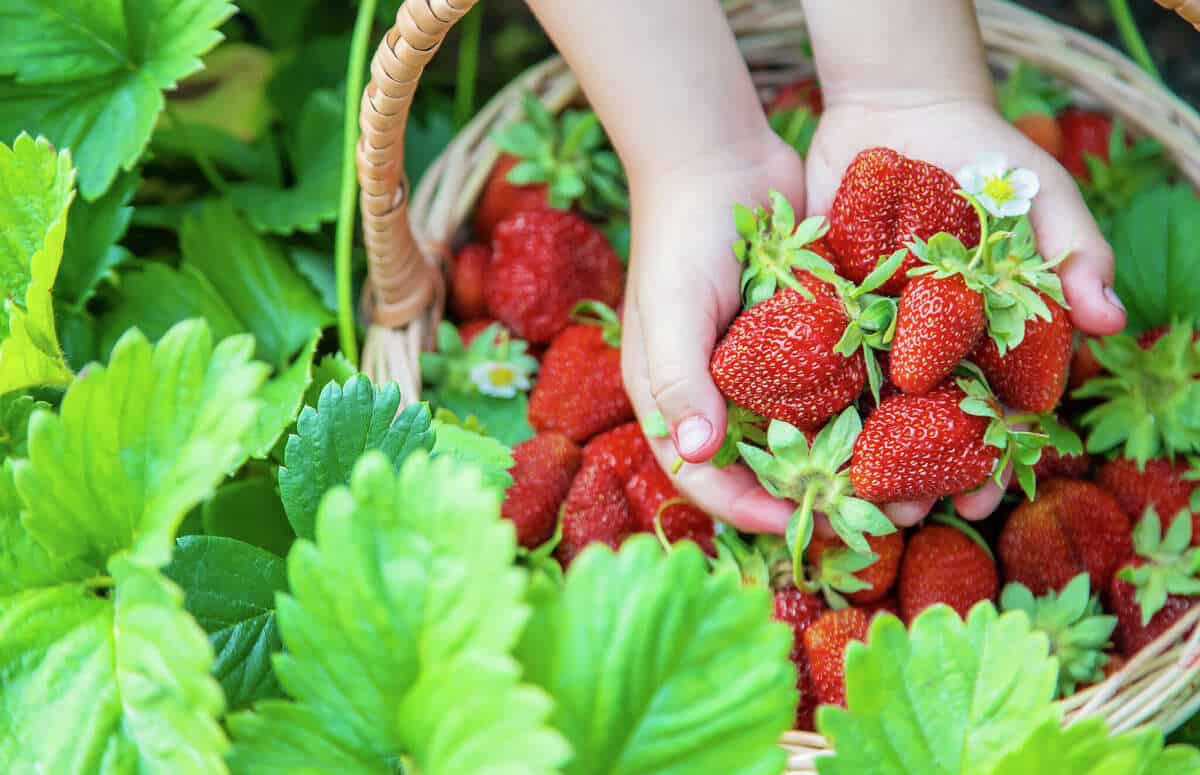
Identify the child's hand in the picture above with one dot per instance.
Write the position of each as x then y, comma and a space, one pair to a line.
952, 135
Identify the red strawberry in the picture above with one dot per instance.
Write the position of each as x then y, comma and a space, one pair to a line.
888, 605
595, 511
1160, 485
579, 391
1084, 133
502, 199
921, 447
827, 557
624, 449
1070, 527
544, 263
821, 247
468, 331
938, 322
804, 93
1031, 376
1084, 365
467, 295
1043, 129
799, 610
944, 565
652, 495
777, 357
884, 200
1055, 465
545, 466
825, 642
1131, 635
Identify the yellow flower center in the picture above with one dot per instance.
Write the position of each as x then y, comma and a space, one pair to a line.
999, 189
502, 376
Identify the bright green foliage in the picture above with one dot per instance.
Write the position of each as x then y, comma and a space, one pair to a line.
89, 74
349, 420
24, 563
331, 368
1149, 398
741, 426
250, 510
1087, 749
91, 252
1172, 564
795, 126
1019, 448
115, 685
489, 456
773, 246
946, 698
658, 667
1072, 621
1029, 90
137, 444
281, 400
1128, 173
398, 629
230, 589
15, 411
316, 160
36, 189
229, 95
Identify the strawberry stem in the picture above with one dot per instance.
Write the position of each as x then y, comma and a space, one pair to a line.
981, 248
806, 513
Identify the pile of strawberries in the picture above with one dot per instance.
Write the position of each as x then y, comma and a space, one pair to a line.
911, 346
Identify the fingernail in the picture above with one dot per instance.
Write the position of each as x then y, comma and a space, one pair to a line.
1113, 298
692, 434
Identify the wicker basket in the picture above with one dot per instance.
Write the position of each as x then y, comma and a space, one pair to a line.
408, 242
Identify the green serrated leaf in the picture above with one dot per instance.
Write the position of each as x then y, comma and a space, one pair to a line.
695, 632
280, 401
349, 420
90, 252
250, 510
487, 455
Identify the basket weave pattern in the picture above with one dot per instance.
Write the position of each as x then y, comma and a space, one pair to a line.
409, 238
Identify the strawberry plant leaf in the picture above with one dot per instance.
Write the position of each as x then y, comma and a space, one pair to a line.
230, 587
331, 368
281, 400
91, 253
38, 186
704, 686
229, 94
398, 630
156, 297
254, 276
24, 563
176, 146
946, 697
486, 454
349, 420
316, 161
1087, 748
90, 74
251, 511
117, 683
111, 472
15, 411
506, 419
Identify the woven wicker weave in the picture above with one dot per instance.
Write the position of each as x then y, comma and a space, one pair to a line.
409, 239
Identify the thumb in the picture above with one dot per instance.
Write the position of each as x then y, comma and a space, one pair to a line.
678, 333
1063, 224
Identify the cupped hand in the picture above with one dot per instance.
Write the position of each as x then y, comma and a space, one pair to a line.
952, 134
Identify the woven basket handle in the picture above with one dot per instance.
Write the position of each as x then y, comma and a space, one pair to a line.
402, 281
1188, 9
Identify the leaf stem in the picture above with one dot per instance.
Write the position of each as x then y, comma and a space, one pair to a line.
207, 168
344, 235
468, 66
1132, 38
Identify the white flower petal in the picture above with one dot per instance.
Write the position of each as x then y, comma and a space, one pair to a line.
989, 204
991, 165
1025, 183
1012, 207
970, 179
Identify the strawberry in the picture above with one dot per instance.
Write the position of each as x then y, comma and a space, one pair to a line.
1031, 376
888, 605
652, 497
579, 392
1158, 585
922, 447
544, 263
468, 299
1162, 484
938, 322
1069, 528
884, 200
862, 579
825, 642
542, 474
1148, 396
944, 564
595, 511
1084, 365
501, 198
803, 93
624, 449
1084, 133
799, 610
1044, 130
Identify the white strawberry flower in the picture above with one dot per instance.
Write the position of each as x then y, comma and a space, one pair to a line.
502, 380
1003, 191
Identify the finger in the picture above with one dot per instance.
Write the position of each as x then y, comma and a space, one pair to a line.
979, 504
907, 514
1063, 224
677, 350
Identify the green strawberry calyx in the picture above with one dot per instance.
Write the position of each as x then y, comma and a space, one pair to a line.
570, 154
496, 363
735, 555
1112, 184
834, 575
1149, 398
1171, 562
816, 478
872, 316
773, 246
597, 313
741, 425
1072, 621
